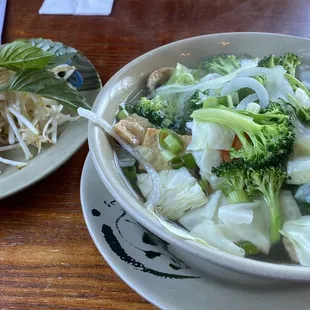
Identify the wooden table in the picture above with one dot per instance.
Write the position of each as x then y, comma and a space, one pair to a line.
47, 258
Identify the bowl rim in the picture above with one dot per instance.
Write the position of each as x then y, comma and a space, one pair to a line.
226, 260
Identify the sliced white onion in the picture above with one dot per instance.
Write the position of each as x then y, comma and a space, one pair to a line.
255, 71
245, 101
189, 125
204, 84
157, 190
210, 77
247, 82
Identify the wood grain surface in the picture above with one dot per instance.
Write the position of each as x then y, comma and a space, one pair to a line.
47, 258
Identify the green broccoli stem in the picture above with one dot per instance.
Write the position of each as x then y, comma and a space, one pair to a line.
295, 82
237, 196
272, 201
228, 118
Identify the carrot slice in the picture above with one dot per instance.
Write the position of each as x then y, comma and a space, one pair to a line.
225, 156
236, 143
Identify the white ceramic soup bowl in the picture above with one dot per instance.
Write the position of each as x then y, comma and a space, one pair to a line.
129, 80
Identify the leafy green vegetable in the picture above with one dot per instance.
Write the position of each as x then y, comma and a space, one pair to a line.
22, 55
46, 84
298, 233
61, 52
181, 192
268, 181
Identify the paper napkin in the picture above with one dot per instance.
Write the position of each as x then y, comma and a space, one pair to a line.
77, 7
2, 15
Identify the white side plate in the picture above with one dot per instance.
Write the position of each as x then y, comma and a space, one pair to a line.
72, 136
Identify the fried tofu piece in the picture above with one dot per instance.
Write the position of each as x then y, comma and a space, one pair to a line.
132, 129
150, 146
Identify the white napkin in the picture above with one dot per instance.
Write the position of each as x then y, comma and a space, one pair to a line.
2, 15
77, 7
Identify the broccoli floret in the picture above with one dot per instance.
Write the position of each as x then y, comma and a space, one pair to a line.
268, 181
265, 138
233, 176
182, 75
270, 61
152, 109
274, 113
289, 61
195, 102
221, 64
160, 112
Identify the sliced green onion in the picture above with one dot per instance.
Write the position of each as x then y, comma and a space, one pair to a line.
235, 98
167, 155
173, 144
230, 102
187, 161
210, 102
122, 114
176, 163
130, 173
204, 184
248, 247
226, 101
170, 141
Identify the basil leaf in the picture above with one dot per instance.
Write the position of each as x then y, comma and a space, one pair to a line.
62, 53
48, 85
22, 55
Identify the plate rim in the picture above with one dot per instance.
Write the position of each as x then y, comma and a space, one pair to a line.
97, 242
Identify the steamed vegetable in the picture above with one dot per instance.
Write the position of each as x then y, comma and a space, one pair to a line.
298, 233
181, 192
268, 181
221, 64
210, 135
265, 138
247, 222
289, 61
234, 179
301, 104
298, 170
